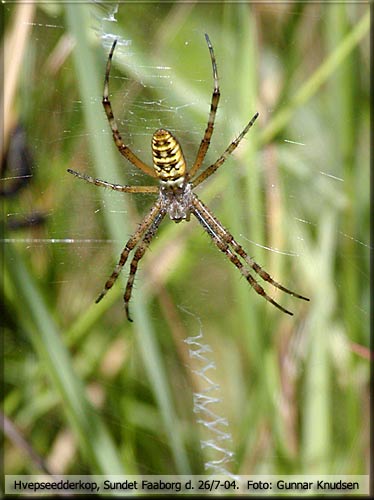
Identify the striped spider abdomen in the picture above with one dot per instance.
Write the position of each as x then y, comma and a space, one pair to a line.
168, 159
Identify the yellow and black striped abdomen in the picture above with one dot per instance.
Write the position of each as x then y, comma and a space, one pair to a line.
168, 159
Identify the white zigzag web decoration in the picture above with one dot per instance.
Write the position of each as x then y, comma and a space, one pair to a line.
218, 454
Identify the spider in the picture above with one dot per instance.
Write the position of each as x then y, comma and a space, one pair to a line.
175, 194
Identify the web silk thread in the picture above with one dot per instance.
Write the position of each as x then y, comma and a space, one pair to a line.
218, 454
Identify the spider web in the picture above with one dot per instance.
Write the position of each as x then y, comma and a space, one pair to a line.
217, 440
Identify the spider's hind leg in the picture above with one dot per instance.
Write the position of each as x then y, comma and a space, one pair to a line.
122, 148
204, 145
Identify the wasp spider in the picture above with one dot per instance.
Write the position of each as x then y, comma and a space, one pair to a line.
175, 195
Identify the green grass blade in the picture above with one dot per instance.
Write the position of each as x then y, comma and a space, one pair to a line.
94, 440
319, 77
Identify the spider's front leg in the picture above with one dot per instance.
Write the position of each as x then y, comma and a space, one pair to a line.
130, 245
226, 243
139, 253
239, 250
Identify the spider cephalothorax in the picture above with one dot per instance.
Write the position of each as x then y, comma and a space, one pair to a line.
175, 195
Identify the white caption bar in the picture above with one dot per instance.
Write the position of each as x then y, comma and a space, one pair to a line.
191, 485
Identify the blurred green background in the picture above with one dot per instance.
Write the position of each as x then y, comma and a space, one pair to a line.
88, 392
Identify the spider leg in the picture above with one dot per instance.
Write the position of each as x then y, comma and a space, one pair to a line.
224, 247
139, 253
212, 168
115, 187
229, 239
122, 148
261, 272
130, 245
204, 145
219, 233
